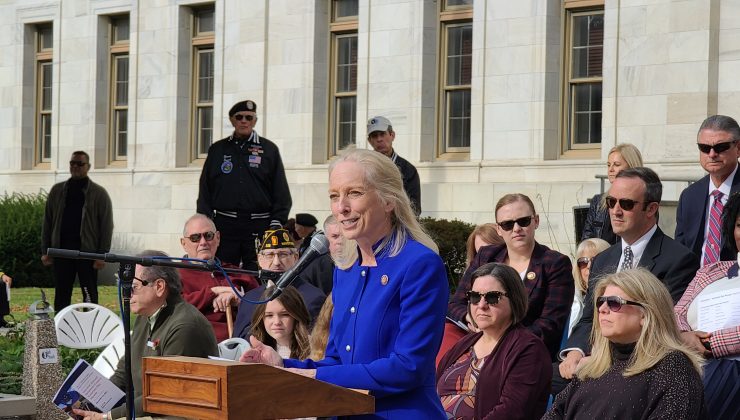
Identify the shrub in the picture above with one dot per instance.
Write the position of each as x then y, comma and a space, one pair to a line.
21, 218
450, 236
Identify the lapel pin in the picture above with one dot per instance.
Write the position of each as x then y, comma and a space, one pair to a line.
384, 279
531, 275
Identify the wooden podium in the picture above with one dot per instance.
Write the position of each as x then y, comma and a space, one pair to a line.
218, 389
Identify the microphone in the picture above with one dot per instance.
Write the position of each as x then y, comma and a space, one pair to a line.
318, 247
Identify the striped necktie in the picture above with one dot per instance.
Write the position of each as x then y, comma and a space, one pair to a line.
711, 246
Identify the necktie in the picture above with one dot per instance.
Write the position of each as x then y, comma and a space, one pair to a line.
711, 245
627, 263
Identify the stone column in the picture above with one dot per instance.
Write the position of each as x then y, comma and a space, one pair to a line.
42, 372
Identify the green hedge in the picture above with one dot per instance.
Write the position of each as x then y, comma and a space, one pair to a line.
21, 218
450, 236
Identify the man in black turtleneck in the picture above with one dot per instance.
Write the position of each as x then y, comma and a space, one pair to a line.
243, 188
79, 216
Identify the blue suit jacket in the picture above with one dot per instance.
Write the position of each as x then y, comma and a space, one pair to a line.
691, 216
386, 330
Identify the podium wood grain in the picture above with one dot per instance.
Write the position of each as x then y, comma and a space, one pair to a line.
217, 389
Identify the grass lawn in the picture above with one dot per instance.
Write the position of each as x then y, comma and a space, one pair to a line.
12, 345
21, 299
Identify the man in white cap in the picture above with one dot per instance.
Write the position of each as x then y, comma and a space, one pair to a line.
380, 135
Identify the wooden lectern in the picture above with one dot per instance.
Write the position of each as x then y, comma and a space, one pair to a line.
219, 389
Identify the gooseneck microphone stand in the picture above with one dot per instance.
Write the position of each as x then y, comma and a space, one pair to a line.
126, 272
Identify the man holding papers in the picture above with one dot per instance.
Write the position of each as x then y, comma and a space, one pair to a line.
165, 325
707, 316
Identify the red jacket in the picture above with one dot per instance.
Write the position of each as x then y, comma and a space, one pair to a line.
196, 290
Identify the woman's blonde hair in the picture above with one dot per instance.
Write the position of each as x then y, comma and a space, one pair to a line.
384, 177
597, 246
320, 332
630, 153
293, 303
487, 231
659, 334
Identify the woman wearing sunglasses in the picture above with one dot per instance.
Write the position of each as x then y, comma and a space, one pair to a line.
547, 274
503, 370
585, 253
597, 224
639, 368
721, 346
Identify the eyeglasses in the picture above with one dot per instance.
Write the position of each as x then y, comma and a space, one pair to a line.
282, 255
508, 225
583, 262
78, 163
491, 298
195, 238
144, 283
240, 117
718, 148
624, 203
614, 303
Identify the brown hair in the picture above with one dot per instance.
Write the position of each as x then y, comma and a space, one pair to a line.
513, 286
320, 333
487, 231
293, 302
513, 198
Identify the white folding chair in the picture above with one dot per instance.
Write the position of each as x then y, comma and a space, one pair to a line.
107, 361
232, 348
87, 326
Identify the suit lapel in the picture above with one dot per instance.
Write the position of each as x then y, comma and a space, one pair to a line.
534, 271
652, 250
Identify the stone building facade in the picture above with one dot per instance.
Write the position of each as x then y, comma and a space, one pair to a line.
486, 97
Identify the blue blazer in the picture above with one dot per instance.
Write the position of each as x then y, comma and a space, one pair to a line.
386, 330
691, 216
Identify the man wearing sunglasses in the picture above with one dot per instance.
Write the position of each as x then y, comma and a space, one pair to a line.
209, 292
701, 204
79, 216
633, 201
243, 187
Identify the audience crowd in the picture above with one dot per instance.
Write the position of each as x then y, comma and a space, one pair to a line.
640, 325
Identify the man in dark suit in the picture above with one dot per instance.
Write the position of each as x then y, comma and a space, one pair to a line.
633, 201
719, 149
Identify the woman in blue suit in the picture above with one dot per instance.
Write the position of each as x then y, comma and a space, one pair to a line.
390, 294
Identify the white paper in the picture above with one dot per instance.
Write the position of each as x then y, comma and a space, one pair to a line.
718, 310
86, 383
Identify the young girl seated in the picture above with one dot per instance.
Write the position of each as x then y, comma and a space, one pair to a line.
283, 324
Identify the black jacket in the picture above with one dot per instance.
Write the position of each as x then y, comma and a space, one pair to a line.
249, 180
411, 183
598, 224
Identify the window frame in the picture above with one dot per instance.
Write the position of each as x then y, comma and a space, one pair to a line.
573, 9
201, 42
450, 17
43, 116
118, 49
343, 28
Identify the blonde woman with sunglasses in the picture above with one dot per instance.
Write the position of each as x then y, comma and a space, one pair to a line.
547, 274
585, 253
639, 368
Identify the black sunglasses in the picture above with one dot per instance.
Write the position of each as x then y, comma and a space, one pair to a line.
196, 236
508, 225
615, 302
583, 262
624, 203
491, 298
718, 148
77, 163
240, 117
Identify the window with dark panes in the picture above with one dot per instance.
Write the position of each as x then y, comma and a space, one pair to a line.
583, 96
343, 92
458, 50
44, 73
119, 52
203, 80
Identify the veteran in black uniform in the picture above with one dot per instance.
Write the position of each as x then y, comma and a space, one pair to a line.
243, 187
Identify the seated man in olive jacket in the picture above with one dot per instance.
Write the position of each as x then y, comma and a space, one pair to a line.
165, 325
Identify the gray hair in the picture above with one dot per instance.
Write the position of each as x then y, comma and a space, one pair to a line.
169, 274
721, 123
331, 220
198, 216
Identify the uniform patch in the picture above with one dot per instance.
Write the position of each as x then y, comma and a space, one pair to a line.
227, 166
255, 160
